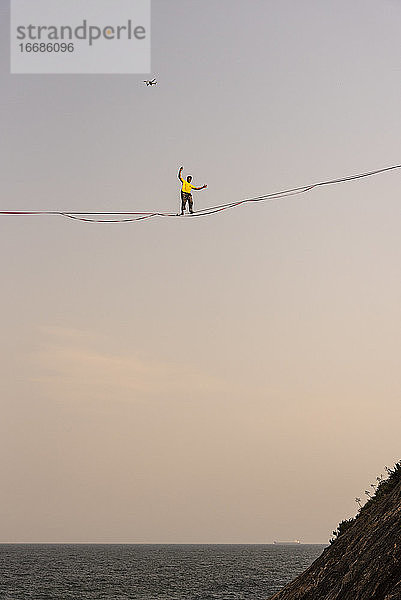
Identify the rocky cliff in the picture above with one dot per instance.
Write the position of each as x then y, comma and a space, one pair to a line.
363, 561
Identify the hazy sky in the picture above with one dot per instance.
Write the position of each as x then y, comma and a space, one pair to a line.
234, 378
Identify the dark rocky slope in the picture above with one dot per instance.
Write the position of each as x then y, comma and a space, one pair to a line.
363, 561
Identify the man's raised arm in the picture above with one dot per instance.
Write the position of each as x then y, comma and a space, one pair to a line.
179, 173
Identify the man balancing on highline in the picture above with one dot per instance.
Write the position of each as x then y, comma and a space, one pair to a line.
186, 192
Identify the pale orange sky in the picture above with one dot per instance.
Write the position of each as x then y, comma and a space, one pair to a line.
229, 379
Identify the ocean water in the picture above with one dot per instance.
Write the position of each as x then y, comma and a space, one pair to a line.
149, 572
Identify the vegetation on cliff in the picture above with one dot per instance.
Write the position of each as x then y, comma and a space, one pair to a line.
363, 561
382, 487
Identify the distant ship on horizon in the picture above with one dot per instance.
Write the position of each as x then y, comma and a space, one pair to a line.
288, 543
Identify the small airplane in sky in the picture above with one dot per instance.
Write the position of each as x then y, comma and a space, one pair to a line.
150, 81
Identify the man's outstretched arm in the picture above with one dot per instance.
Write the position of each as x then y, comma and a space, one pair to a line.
200, 188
